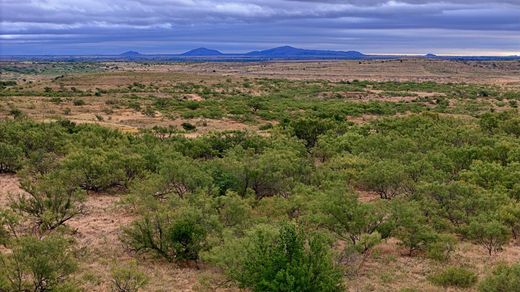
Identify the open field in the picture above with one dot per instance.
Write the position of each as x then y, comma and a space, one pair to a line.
381, 174
216, 96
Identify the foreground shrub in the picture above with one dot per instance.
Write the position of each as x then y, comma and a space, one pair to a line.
455, 277
8, 223
279, 260
49, 203
10, 157
178, 237
37, 265
128, 278
503, 279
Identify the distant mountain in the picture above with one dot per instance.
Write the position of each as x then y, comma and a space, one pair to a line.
288, 51
130, 54
431, 55
201, 52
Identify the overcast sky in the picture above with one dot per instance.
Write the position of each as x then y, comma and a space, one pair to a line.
461, 27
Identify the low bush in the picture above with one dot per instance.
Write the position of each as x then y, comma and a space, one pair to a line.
49, 203
502, 279
128, 278
10, 157
188, 126
175, 237
78, 102
37, 265
280, 260
455, 277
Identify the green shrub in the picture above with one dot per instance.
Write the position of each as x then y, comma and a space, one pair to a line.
265, 127
10, 157
188, 126
37, 265
175, 237
56, 100
135, 105
192, 105
78, 102
16, 113
442, 248
49, 202
128, 278
308, 129
454, 277
502, 279
97, 169
280, 260
8, 223
488, 232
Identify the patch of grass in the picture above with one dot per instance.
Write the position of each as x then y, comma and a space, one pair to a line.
78, 102
454, 277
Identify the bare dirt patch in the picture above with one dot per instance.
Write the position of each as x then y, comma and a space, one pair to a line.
390, 269
9, 185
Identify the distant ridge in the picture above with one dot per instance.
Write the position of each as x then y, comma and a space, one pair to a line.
288, 51
130, 54
279, 53
202, 52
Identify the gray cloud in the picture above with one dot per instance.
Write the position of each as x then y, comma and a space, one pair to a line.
407, 26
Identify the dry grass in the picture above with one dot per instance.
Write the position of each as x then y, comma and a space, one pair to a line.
506, 72
388, 268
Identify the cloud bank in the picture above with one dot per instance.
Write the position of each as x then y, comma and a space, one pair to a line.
171, 26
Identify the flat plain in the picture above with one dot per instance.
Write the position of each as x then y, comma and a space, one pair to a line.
280, 140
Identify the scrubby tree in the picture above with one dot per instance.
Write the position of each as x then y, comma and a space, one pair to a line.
99, 170
455, 202
350, 219
50, 202
175, 237
309, 129
386, 178
38, 265
488, 232
280, 260
411, 226
273, 172
484, 174
509, 215
233, 210
177, 175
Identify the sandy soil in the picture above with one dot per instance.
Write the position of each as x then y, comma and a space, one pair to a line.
390, 269
378, 70
9, 185
97, 239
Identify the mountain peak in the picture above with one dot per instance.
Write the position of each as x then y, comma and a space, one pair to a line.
202, 52
130, 53
288, 51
